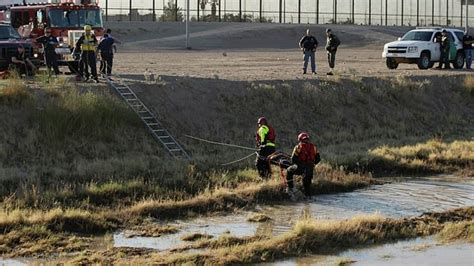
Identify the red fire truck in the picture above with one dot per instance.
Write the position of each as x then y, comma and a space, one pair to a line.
66, 18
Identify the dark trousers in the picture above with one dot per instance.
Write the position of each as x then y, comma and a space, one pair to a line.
444, 59
22, 69
88, 59
261, 162
106, 63
302, 169
51, 62
332, 59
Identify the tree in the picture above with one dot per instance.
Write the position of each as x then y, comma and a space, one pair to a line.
172, 12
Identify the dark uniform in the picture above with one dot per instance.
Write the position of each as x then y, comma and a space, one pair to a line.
467, 41
107, 54
87, 45
50, 57
309, 44
305, 156
332, 42
445, 46
22, 68
265, 138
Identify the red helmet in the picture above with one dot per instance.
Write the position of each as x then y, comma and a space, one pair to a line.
303, 136
262, 121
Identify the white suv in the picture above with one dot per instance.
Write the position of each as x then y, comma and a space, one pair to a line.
419, 47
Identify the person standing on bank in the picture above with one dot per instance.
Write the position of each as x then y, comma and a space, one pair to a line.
50, 43
467, 42
308, 44
332, 42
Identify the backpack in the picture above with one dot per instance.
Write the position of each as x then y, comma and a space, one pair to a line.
307, 153
271, 134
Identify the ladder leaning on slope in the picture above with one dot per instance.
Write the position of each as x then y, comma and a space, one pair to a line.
148, 118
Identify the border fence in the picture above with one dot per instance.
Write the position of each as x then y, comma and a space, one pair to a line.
361, 12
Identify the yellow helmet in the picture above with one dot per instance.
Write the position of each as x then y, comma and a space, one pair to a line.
87, 28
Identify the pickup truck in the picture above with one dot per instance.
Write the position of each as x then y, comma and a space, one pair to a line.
9, 42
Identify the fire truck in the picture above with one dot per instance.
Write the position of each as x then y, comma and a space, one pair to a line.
65, 18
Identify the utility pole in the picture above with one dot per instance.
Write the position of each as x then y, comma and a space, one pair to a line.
280, 10
353, 12
188, 44
154, 11
335, 12
106, 10
386, 12
261, 13
130, 11
175, 8
467, 15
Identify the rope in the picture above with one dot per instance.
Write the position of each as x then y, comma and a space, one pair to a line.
239, 160
220, 143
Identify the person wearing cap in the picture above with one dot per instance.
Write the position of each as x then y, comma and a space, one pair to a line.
21, 63
467, 42
308, 43
332, 42
304, 157
87, 44
49, 43
444, 47
265, 142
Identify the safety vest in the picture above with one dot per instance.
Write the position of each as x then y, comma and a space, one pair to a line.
266, 136
306, 152
88, 44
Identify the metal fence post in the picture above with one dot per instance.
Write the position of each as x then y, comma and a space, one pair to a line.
386, 12
462, 22
261, 14
417, 12
370, 12
299, 11
240, 10
403, 7
353, 12
220, 18
432, 13
198, 7
107, 10
154, 11
280, 10
317, 11
335, 11
447, 13
130, 10
175, 9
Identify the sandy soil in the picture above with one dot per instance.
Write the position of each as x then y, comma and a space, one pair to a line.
249, 51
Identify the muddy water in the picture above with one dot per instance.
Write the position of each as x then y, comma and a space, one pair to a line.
398, 199
413, 252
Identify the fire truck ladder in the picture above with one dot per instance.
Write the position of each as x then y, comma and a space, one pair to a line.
154, 126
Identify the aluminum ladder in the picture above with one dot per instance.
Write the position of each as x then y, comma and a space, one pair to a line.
157, 130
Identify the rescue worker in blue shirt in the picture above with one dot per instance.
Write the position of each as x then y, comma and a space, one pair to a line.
106, 47
50, 43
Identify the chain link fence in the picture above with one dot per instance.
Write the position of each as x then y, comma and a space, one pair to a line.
360, 12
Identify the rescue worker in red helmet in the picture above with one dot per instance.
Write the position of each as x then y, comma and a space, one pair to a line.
265, 140
305, 156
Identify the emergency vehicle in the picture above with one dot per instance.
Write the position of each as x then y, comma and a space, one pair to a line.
65, 18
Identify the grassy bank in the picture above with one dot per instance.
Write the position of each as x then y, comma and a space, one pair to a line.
308, 236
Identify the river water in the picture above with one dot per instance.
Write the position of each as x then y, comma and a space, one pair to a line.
405, 198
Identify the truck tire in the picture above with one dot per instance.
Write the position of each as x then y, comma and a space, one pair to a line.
391, 63
424, 61
458, 62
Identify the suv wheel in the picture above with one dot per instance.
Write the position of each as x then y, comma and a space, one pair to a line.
459, 60
391, 63
424, 61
